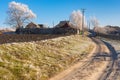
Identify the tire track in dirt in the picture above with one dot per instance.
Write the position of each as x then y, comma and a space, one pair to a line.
89, 65
85, 72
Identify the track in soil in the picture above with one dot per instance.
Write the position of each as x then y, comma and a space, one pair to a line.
112, 72
86, 64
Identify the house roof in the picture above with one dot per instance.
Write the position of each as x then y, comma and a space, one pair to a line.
42, 26
64, 24
32, 25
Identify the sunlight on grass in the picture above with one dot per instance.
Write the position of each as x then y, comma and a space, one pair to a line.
41, 60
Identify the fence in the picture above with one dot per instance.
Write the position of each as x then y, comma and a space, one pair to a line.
46, 31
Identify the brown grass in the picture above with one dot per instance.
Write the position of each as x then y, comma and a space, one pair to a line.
40, 60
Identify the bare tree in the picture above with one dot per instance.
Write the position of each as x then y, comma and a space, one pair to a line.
94, 21
76, 20
19, 14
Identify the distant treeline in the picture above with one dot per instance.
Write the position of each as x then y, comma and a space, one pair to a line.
114, 37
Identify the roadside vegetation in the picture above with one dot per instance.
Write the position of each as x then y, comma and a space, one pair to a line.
40, 60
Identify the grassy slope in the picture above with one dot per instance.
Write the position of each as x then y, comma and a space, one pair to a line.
41, 59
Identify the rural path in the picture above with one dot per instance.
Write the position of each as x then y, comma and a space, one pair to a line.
89, 69
112, 72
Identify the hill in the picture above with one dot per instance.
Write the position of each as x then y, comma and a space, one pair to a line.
40, 60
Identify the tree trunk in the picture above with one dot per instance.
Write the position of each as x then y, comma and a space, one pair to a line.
78, 31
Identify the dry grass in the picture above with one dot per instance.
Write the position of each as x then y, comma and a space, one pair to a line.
40, 60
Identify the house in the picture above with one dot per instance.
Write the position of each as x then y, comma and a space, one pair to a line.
64, 24
42, 26
32, 25
65, 27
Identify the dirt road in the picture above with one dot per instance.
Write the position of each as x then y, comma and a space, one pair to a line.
112, 72
92, 67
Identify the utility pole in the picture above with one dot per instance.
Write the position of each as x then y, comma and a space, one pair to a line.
53, 23
88, 24
83, 11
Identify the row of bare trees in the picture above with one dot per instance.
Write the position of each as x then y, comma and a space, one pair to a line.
76, 20
19, 14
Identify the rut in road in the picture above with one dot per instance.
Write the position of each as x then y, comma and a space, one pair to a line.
112, 71
88, 65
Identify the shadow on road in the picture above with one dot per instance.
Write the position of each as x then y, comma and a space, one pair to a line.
112, 51
114, 57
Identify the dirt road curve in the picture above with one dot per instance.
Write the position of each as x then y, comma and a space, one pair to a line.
92, 67
112, 72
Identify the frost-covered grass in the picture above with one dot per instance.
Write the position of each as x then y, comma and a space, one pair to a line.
41, 60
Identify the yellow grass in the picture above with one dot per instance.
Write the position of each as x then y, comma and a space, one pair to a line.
41, 60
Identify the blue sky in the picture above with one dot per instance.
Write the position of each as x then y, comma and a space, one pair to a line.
47, 11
